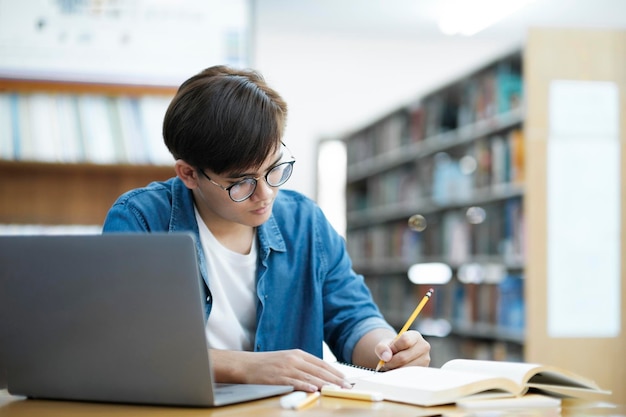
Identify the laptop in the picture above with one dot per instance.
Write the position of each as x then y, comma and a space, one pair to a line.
109, 318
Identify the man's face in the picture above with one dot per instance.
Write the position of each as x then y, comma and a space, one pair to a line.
213, 192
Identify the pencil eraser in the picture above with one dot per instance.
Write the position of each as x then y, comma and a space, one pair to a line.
292, 400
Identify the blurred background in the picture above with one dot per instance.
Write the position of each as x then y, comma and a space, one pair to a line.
392, 113
339, 64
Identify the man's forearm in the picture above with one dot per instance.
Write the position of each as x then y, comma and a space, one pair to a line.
364, 354
228, 365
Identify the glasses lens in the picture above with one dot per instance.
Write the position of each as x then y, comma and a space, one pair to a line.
280, 174
242, 189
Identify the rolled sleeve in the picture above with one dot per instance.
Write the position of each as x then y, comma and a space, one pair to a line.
362, 328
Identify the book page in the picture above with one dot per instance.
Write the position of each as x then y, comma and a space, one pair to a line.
528, 374
550, 376
517, 371
427, 386
434, 379
570, 391
352, 372
433, 386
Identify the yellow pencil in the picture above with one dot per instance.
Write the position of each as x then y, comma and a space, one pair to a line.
409, 322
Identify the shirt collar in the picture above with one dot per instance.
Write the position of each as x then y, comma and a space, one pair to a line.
270, 237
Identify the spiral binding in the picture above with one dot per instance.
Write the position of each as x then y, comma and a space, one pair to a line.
351, 365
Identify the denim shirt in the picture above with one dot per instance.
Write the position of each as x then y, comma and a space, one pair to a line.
306, 289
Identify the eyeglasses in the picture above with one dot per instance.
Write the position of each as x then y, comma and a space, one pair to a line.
242, 190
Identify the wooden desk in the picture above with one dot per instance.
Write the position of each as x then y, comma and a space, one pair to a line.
11, 406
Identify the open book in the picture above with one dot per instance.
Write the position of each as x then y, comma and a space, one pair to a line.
461, 378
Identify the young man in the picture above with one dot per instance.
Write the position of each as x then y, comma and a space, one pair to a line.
277, 278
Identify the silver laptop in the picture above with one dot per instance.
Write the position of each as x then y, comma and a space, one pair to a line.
109, 318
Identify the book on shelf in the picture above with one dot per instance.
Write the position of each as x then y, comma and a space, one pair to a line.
69, 127
6, 128
45, 135
22, 125
416, 123
510, 86
500, 160
516, 146
152, 111
92, 128
132, 130
460, 379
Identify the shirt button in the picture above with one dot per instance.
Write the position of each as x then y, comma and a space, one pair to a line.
208, 299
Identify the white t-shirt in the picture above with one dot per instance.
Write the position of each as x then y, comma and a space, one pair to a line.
232, 322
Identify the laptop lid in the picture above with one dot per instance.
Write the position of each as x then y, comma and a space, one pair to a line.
111, 318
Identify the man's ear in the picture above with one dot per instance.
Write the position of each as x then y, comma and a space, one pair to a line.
186, 173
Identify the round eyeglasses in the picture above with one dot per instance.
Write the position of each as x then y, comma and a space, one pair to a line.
242, 190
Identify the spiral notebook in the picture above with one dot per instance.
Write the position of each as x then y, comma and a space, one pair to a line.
109, 318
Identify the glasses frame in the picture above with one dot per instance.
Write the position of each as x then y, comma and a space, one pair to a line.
255, 179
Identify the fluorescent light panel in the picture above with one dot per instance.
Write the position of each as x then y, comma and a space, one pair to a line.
430, 273
470, 17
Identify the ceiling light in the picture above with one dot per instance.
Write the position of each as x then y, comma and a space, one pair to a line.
430, 273
470, 17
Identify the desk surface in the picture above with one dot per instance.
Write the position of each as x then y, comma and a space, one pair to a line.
12, 406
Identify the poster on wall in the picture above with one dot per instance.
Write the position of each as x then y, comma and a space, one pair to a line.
122, 41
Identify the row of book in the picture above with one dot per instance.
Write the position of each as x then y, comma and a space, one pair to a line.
491, 92
385, 241
486, 162
468, 348
446, 176
499, 305
54, 127
457, 157
457, 236
398, 129
499, 159
494, 90
489, 311
400, 185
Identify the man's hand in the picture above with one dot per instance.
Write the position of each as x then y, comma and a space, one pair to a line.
303, 371
409, 350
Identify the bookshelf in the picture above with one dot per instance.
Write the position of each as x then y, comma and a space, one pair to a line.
488, 160
455, 156
69, 149
589, 287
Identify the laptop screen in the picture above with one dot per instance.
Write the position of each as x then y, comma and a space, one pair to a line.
104, 317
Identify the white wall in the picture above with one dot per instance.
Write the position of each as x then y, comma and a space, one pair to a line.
337, 84
333, 84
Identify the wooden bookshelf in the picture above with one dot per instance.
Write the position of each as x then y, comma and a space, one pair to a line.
393, 173
578, 57
55, 194
52, 86
78, 190
456, 151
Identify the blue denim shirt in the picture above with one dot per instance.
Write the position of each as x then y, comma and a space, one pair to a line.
306, 289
